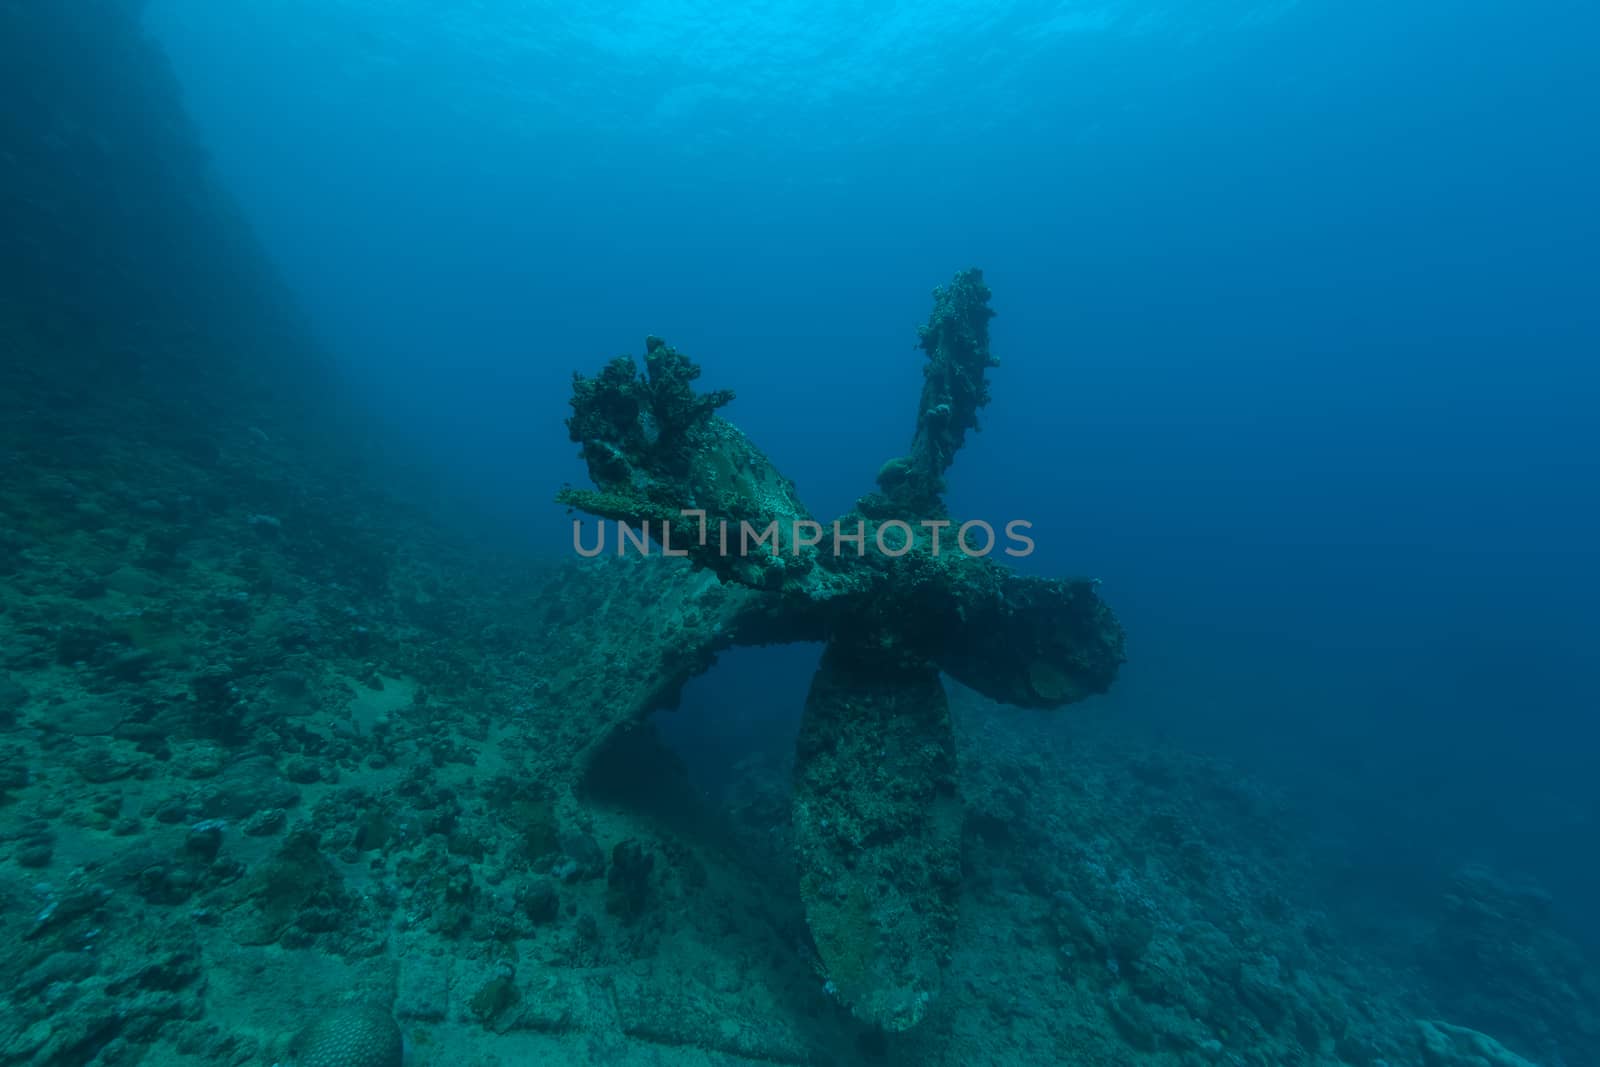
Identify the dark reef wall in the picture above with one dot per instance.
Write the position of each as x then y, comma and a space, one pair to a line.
119, 255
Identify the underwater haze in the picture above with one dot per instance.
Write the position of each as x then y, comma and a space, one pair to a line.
1298, 314
1297, 317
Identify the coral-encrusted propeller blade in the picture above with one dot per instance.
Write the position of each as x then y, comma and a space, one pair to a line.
877, 822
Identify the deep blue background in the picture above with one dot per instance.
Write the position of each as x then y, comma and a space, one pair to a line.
1298, 325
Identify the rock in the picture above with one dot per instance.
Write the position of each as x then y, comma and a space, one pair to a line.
35, 855
14, 773
303, 770
296, 894
24, 1044
498, 996
265, 823
628, 880
1444, 1045
99, 764
131, 581
199, 759
248, 786
286, 683
539, 900
1498, 956
12, 697
92, 716
581, 858
133, 665
204, 841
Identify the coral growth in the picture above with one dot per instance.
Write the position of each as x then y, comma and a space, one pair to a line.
359, 1035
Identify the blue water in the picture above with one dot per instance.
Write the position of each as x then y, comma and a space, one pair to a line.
1297, 304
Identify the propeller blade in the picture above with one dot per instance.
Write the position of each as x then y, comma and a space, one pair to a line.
877, 818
